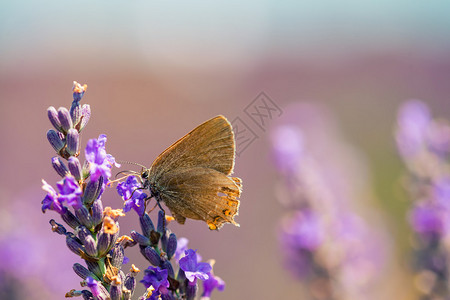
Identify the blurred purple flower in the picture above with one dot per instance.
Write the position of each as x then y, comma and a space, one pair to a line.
302, 231
181, 248
413, 120
287, 146
133, 196
100, 162
438, 137
324, 241
427, 219
192, 268
423, 144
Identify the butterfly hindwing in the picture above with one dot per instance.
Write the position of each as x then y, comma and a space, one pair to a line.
201, 194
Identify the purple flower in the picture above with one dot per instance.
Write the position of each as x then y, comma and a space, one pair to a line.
192, 268
100, 162
302, 231
181, 248
427, 219
213, 282
96, 289
70, 191
287, 148
413, 120
156, 277
301, 234
438, 137
132, 195
52, 201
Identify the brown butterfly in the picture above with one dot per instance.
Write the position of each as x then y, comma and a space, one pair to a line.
192, 177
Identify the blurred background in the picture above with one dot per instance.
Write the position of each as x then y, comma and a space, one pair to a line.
156, 69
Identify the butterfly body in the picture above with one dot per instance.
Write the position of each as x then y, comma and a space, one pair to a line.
192, 177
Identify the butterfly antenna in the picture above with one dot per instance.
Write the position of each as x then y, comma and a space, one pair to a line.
123, 177
131, 163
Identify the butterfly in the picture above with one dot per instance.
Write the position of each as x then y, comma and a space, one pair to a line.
193, 176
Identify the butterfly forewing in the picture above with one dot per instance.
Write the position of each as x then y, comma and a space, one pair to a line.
209, 145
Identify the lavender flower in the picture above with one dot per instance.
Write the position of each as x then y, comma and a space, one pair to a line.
423, 145
70, 191
192, 268
213, 282
100, 161
157, 278
132, 195
97, 230
52, 201
322, 237
95, 238
173, 275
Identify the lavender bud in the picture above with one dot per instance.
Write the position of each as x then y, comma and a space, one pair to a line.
191, 290
114, 237
65, 119
74, 167
73, 141
88, 241
85, 116
55, 141
164, 239
58, 228
87, 295
154, 237
181, 277
59, 166
83, 232
161, 222
146, 225
101, 187
74, 244
142, 240
103, 243
53, 117
83, 272
118, 254
85, 218
90, 192
100, 292
130, 283
70, 219
152, 256
94, 268
122, 276
116, 290
97, 212
126, 294
75, 113
171, 245
168, 266
85, 169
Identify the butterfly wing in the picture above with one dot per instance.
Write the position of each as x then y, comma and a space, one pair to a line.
202, 194
209, 145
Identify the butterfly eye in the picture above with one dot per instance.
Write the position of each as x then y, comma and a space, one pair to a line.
144, 174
